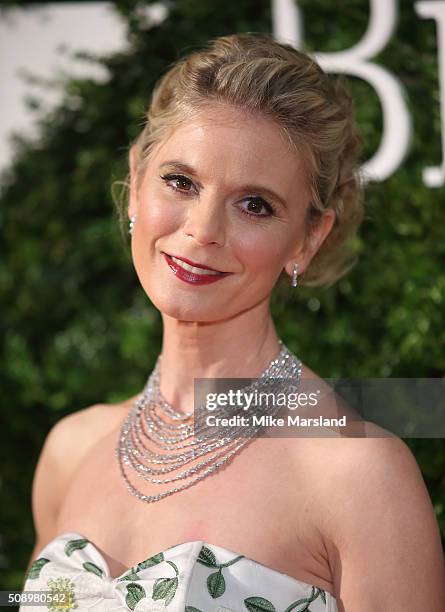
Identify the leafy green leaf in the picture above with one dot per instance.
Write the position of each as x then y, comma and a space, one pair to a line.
165, 588
207, 557
34, 570
216, 584
259, 604
154, 560
302, 605
130, 576
135, 592
73, 545
92, 567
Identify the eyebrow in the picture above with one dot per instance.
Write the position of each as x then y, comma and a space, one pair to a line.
183, 167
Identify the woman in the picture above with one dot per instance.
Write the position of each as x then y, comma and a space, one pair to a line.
245, 171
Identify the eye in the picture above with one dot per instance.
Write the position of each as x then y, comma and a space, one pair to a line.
178, 179
256, 205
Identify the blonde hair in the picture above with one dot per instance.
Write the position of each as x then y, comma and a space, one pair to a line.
257, 74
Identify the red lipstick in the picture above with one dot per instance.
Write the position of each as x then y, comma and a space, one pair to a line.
192, 277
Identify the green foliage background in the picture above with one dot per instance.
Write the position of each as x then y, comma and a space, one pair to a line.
78, 329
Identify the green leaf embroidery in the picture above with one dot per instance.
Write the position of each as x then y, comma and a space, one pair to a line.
150, 562
92, 567
206, 557
172, 593
259, 604
302, 605
135, 592
216, 584
34, 570
130, 576
165, 588
73, 545
191, 609
174, 566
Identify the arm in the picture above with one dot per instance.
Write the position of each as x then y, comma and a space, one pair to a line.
383, 538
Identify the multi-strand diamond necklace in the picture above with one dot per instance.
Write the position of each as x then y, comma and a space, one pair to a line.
174, 445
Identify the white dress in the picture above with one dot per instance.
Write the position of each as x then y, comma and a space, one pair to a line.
189, 577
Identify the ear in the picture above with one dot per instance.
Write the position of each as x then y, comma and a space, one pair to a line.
133, 200
312, 243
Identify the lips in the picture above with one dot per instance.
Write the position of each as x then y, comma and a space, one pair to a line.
192, 272
198, 268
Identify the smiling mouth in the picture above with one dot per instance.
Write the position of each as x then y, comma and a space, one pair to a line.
196, 268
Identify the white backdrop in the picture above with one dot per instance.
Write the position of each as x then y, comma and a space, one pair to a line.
40, 40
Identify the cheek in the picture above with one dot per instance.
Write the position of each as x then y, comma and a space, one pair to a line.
261, 250
158, 217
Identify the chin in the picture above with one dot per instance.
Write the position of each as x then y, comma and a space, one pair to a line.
192, 315
196, 310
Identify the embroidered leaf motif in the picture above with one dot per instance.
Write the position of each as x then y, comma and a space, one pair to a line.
191, 609
259, 604
206, 557
216, 584
322, 595
130, 576
165, 588
135, 592
92, 567
150, 562
34, 570
174, 566
302, 605
73, 545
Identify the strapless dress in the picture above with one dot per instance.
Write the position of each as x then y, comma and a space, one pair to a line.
189, 577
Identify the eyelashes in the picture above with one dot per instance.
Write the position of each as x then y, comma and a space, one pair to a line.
257, 200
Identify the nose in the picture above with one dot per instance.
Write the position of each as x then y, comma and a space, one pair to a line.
205, 221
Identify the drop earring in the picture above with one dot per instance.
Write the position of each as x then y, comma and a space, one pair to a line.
131, 224
294, 282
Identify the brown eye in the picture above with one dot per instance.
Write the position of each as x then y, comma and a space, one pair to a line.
257, 207
182, 182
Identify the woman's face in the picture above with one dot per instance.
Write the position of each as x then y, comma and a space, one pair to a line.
222, 191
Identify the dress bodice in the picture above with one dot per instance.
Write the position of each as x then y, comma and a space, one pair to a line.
189, 577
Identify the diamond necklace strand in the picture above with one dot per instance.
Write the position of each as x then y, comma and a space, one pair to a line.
147, 417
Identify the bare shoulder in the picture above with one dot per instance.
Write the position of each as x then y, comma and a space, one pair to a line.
373, 463
376, 512
74, 435
68, 441
71, 438
376, 520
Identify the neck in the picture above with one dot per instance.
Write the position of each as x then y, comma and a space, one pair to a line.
241, 347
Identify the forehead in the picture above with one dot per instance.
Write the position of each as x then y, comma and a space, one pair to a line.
226, 142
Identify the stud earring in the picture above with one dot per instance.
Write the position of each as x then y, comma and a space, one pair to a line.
294, 282
131, 224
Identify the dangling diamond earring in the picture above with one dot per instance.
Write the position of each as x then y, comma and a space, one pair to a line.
131, 224
294, 276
